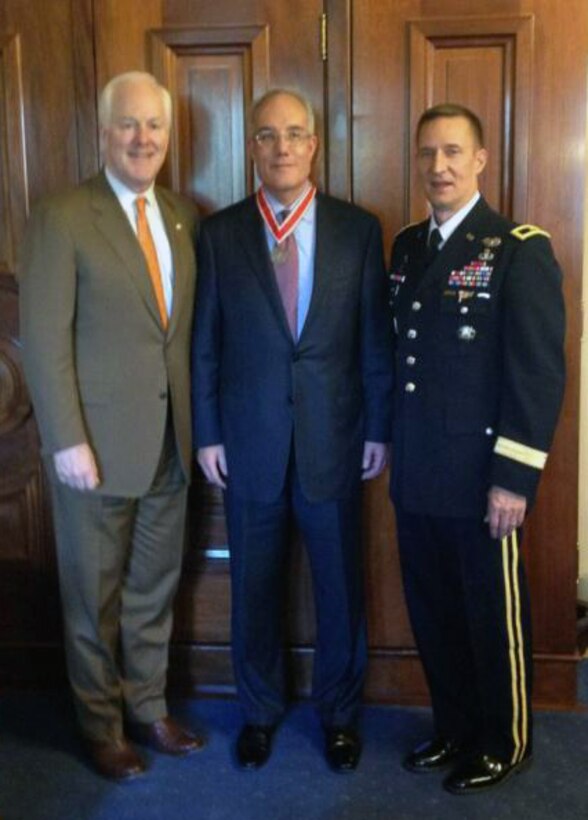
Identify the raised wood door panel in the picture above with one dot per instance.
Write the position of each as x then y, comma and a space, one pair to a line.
214, 73
517, 65
487, 65
283, 49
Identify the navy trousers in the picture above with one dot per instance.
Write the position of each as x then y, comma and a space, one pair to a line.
258, 540
469, 608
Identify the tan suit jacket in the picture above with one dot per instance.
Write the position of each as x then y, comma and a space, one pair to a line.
97, 359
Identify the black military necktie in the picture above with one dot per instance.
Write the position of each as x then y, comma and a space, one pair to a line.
435, 240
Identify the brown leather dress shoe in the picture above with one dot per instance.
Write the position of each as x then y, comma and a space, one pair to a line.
432, 756
168, 737
116, 760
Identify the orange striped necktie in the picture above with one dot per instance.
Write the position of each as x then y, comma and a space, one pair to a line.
148, 246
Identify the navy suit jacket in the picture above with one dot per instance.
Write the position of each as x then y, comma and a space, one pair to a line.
257, 391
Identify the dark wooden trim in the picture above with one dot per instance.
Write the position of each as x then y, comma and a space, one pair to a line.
338, 149
86, 95
394, 677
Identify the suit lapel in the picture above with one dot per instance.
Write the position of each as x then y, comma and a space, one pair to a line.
251, 236
112, 223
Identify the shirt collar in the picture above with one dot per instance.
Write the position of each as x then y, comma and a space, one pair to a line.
447, 228
124, 194
278, 206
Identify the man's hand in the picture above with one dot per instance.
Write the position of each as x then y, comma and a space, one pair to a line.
375, 458
506, 511
213, 462
76, 467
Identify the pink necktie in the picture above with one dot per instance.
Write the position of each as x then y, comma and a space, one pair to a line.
285, 261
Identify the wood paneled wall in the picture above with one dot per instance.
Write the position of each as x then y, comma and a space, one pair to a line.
378, 63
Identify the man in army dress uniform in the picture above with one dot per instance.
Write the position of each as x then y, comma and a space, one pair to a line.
479, 323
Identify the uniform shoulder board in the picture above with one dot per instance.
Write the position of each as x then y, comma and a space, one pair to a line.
524, 232
405, 228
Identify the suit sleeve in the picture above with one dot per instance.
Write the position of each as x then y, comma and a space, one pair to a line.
533, 367
47, 278
206, 347
376, 342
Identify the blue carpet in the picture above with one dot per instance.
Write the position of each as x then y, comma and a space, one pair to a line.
44, 776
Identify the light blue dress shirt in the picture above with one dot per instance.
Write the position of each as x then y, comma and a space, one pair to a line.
448, 227
127, 198
305, 235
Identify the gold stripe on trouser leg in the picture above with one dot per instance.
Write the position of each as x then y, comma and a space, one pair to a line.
521, 649
515, 646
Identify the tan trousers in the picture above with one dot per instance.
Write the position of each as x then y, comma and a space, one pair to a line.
119, 564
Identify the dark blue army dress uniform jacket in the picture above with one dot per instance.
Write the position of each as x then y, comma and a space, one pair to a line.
479, 363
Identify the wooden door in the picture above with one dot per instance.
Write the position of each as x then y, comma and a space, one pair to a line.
520, 65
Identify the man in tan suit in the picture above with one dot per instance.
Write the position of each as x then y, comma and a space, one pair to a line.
107, 289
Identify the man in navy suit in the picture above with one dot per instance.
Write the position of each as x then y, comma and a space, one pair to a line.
479, 320
292, 391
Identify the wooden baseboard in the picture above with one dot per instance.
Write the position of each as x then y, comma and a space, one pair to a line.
394, 677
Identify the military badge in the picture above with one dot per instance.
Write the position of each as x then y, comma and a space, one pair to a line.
466, 333
462, 295
491, 241
475, 275
396, 280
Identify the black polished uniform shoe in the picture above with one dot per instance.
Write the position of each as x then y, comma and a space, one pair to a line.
482, 772
432, 756
342, 748
254, 745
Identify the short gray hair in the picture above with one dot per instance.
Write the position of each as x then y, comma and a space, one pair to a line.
106, 97
277, 92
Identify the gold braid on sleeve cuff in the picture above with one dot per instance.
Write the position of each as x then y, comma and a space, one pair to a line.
520, 452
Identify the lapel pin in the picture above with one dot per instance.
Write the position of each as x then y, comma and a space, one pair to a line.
470, 237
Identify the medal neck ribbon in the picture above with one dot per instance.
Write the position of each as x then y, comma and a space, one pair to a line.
281, 232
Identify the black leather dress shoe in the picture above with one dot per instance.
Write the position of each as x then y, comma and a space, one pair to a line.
482, 772
342, 748
254, 745
432, 756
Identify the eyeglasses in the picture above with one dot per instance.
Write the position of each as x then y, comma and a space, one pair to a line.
269, 137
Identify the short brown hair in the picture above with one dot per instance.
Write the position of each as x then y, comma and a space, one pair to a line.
452, 110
